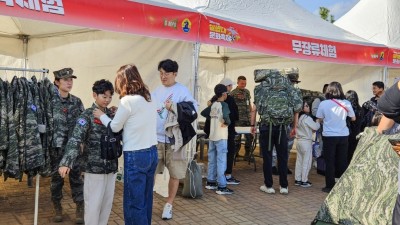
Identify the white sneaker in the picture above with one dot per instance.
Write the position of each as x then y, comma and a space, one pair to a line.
167, 212
267, 190
284, 191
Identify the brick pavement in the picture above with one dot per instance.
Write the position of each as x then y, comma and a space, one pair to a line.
246, 206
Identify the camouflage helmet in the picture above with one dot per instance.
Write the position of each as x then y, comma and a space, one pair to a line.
261, 74
292, 74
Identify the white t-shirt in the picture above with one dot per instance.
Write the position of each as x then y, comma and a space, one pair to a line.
138, 118
176, 93
217, 132
334, 117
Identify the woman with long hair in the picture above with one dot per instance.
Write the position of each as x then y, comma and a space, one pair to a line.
354, 126
137, 116
333, 113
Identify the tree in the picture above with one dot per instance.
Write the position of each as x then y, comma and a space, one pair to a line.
324, 13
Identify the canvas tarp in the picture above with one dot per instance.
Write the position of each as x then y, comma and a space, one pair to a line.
367, 191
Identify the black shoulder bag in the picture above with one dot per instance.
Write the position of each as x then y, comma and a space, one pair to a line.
111, 144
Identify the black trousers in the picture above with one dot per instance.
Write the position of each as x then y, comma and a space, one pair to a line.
279, 140
231, 153
335, 155
396, 212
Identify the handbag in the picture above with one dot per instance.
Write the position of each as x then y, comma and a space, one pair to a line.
192, 186
111, 144
316, 151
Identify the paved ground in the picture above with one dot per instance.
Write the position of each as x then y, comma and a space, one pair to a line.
246, 206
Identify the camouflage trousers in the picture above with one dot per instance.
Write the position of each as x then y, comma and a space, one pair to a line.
248, 137
248, 142
57, 182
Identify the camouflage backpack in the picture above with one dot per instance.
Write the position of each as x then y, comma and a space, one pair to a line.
273, 97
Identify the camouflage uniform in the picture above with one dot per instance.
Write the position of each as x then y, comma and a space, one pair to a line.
275, 113
3, 124
88, 131
242, 99
65, 114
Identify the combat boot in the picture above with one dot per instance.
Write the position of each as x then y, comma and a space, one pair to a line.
80, 211
57, 211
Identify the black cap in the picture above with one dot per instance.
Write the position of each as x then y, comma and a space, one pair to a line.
64, 73
220, 89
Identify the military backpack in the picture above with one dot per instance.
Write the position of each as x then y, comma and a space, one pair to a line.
272, 97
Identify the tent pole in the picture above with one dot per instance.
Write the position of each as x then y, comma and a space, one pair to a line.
195, 72
385, 77
25, 40
35, 222
225, 60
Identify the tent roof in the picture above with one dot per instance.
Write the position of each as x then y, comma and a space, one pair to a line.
376, 21
14, 27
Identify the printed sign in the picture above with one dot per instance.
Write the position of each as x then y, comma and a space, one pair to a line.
219, 32
313, 48
49, 6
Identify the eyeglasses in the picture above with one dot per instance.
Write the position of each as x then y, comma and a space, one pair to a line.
165, 74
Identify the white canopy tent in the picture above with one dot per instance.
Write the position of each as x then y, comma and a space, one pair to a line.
261, 25
283, 16
378, 22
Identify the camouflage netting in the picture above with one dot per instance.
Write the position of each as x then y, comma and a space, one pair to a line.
367, 191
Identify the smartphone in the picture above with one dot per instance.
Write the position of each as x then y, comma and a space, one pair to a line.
394, 141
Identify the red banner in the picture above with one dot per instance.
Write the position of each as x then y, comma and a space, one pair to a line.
113, 15
157, 21
219, 32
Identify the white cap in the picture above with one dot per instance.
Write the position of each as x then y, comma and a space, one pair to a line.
226, 82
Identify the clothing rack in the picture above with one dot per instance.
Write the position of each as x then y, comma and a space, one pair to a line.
43, 71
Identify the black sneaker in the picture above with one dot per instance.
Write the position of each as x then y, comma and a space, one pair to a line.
224, 191
326, 189
289, 171
297, 182
306, 184
211, 185
232, 180
275, 171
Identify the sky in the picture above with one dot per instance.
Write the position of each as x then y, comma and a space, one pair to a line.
337, 7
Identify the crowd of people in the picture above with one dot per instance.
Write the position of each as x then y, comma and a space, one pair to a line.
142, 116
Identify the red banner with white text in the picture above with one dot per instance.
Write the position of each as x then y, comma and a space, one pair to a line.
219, 32
170, 23
112, 15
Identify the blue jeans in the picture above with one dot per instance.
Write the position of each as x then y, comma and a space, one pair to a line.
139, 170
217, 151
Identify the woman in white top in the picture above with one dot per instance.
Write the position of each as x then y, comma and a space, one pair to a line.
333, 113
137, 116
304, 135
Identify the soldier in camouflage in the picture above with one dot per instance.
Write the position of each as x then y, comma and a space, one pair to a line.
279, 105
66, 109
242, 98
100, 174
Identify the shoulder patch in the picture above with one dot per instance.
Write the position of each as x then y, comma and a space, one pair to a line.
82, 121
